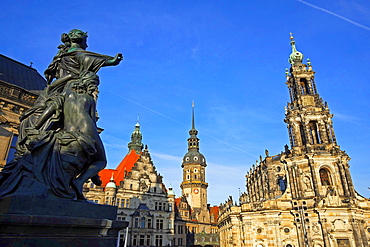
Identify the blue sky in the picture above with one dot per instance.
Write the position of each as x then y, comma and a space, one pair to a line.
227, 56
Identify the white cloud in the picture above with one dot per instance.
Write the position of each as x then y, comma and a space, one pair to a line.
334, 14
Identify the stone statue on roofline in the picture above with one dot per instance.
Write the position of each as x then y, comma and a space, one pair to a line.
58, 146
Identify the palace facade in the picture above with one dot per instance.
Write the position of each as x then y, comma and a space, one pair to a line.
20, 86
155, 216
142, 199
303, 196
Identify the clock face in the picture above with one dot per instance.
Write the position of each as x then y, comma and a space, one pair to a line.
196, 191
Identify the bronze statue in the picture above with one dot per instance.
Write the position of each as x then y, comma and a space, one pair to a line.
58, 146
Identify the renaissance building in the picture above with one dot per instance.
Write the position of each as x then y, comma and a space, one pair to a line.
303, 196
20, 86
137, 189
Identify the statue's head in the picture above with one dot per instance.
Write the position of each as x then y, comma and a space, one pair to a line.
78, 37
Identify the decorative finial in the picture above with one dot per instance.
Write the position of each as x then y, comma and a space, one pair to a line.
192, 117
296, 56
286, 71
308, 61
112, 179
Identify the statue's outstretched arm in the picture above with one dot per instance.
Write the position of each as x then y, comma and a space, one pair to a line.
115, 61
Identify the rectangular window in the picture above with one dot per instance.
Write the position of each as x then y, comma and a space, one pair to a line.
127, 203
117, 202
170, 207
170, 224
122, 203
142, 222
156, 206
150, 223
158, 240
142, 240
343, 242
180, 241
159, 206
12, 149
159, 224
134, 240
148, 240
136, 225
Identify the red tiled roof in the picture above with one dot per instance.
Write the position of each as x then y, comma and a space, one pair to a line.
119, 173
215, 211
177, 201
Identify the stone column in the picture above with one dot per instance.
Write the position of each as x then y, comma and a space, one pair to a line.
313, 174
343, 179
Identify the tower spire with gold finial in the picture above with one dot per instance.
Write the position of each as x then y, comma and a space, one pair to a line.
296, 56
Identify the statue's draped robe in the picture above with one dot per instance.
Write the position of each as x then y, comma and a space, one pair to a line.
43, 161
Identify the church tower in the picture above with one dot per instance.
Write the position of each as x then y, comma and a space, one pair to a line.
194, 186
303, 196
136, 138
312, 137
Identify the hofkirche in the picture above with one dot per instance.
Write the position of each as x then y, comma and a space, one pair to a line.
301, 197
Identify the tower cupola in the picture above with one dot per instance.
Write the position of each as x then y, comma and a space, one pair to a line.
136, 138
295, 57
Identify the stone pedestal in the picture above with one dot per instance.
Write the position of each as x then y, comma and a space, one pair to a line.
52, 221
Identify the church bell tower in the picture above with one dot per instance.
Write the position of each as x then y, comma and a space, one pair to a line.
315, 163
193, 185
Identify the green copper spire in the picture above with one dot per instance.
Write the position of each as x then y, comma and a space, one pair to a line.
296, 56
136, 138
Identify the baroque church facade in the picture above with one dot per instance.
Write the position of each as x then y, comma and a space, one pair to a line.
303, 196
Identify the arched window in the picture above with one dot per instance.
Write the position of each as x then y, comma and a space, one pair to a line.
305, 88
325, 177
282, 184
